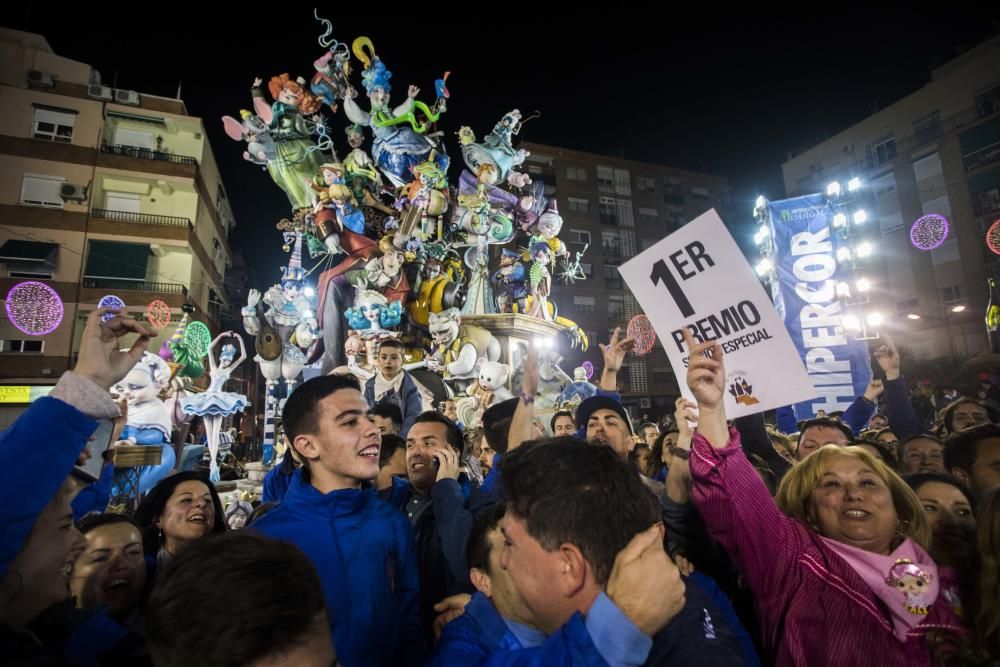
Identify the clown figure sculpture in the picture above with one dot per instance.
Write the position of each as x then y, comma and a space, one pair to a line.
149, 420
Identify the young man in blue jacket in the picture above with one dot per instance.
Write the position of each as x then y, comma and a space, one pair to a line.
361, 546
394, 385
573, 572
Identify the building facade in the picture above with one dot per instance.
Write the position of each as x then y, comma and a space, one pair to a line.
936, 151
102, 191
612, 209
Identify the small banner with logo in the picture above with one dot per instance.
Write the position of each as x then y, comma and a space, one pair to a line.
806, 297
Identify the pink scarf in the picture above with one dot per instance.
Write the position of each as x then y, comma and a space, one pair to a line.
906, 580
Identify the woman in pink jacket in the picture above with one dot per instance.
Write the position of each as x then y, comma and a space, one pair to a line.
838, 567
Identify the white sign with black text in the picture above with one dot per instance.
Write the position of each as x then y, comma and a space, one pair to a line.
698, 278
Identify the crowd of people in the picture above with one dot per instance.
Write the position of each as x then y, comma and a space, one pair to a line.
388, 535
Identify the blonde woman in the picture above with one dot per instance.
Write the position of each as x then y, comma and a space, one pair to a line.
837, 563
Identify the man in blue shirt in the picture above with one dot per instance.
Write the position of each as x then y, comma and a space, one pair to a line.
497, 625
577, 574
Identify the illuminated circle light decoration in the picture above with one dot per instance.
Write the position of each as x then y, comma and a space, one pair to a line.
993, 238
34, 308
588, 369
640, 328
158, 314
197, 338
929, 231
110, 301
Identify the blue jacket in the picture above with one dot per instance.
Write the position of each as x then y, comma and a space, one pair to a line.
45, 441
410, 402
362, 548
899, 410
481, 637
725, 607
276, 485
94, 497
441, 536
397, 494
858, 414
698, 635
43, 445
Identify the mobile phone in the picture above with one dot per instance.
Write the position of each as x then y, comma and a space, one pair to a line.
98, 444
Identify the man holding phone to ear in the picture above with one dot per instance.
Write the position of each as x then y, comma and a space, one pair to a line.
438, 510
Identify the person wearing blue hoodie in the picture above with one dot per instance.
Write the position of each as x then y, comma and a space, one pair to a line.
279, 478
362, 547
38, 541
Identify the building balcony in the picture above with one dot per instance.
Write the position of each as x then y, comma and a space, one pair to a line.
147, 154
927, 134
33, 366
42, 217
46, 150
611, 250
982, 157
124, 223
66, 290
134, 285
141, 218
986, 202
167, 227
133, 158
133, 291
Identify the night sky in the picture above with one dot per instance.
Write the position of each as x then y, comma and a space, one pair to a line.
721, 93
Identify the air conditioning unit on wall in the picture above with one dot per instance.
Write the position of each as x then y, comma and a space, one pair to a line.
99, 92
73, 192
40, 79
127, 97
